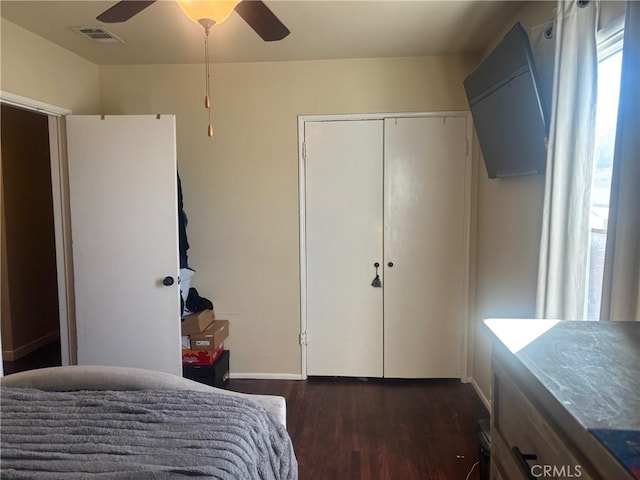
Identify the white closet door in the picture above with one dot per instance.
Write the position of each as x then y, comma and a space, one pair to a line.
123, 196
425, 289
343, 241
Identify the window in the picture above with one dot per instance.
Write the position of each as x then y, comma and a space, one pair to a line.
609, 72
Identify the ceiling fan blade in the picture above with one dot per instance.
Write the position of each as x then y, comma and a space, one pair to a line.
123, 11
262, 20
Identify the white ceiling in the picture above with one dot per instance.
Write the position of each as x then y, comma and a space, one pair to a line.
319, 30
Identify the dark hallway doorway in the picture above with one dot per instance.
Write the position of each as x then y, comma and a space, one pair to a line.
30, 311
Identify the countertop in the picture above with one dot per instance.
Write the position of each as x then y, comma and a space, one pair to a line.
591, 369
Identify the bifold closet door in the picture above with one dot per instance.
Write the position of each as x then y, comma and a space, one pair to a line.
343, 229
424, 246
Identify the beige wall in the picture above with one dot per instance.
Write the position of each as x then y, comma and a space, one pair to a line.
508, 221
35, 68
241, 187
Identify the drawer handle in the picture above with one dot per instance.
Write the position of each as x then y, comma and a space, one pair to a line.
522, 459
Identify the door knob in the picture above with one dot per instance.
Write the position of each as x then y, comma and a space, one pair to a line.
390, 264
167, 281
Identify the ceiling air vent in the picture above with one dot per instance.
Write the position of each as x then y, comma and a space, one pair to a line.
97, 34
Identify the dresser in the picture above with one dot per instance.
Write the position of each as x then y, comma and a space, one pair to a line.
565, 399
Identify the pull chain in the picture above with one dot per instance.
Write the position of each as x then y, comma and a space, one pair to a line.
207, 97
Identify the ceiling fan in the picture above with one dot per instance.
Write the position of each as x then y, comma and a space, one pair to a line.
254, 12
208, 14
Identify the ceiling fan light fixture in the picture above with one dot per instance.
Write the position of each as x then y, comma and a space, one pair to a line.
215, 10
207, 13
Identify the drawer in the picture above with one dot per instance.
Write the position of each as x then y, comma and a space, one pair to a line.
526, 433
503, 465
495, 473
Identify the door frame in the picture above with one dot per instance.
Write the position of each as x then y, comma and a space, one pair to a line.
302, 120
61, 216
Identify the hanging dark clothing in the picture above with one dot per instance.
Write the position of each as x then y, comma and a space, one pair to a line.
183, 244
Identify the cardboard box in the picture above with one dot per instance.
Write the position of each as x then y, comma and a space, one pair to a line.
201, 357
215, 375
197, 322
215, 334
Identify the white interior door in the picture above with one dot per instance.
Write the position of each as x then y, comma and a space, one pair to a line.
343, 240
425, 298
123, 196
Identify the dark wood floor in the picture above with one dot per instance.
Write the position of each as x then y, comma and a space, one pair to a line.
348, 429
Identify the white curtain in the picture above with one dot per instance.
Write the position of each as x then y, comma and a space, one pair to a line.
621, 285
565, 223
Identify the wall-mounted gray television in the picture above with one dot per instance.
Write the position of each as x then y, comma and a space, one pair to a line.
507, 109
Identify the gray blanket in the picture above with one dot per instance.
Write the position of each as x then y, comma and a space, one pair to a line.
140, 435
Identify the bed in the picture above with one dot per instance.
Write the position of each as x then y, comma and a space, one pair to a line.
125, 423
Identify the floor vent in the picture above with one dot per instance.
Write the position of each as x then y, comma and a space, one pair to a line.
97, 34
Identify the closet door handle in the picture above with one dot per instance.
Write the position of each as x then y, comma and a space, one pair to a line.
522, 460
168, 281
376, 282
390, 264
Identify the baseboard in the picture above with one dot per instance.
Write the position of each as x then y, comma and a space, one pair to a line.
26, 349
266, 376
481, 395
